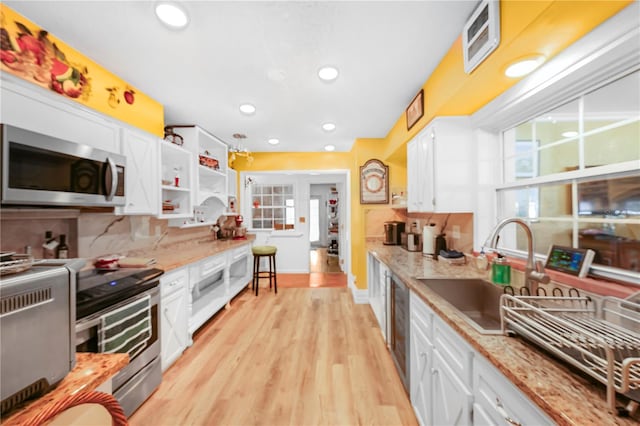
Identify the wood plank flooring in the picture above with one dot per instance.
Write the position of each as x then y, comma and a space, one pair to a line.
301, 357
320, 261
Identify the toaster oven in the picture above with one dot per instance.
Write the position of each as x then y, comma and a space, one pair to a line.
37, 329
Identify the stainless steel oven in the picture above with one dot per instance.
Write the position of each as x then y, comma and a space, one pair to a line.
43, 170
119, 312
399, 327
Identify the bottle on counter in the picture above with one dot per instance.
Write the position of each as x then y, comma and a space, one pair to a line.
500, 270
50, 246
63, 249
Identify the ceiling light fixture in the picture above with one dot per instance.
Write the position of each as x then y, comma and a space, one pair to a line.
274, 141
328, 127
524, 66
328, 73
329, 148
570, 134
247, 109
239, 151
172, 15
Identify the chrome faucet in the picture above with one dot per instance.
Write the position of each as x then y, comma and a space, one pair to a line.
533, 273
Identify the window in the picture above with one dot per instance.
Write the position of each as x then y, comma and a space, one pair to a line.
273, 207
573, 173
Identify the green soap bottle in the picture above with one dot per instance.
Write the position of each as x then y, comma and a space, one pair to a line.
500, 270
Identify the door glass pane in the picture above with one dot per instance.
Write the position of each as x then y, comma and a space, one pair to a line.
314, 220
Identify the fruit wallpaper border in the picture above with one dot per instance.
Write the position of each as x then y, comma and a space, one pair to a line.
33, 54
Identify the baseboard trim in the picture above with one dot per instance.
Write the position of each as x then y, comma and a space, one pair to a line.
360, 295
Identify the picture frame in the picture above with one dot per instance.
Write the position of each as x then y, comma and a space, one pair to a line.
415, 110
374, 182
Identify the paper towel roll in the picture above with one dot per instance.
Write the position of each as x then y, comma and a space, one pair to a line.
429, 239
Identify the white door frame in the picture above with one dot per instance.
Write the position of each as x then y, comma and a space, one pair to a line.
340, 177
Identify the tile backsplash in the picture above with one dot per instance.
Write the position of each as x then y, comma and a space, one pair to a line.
375, 218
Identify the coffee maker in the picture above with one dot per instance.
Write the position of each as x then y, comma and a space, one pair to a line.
393, 233
240, 232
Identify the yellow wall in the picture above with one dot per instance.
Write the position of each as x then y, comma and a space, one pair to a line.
527, 27
35, 59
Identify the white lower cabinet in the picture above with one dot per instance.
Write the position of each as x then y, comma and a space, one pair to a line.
499, 402
378, 283
173, 326
421, 349
452, 384
450, 398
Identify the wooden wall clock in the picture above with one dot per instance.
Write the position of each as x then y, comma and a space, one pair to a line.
374, 183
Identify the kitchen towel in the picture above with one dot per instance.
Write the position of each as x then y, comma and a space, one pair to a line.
126, 329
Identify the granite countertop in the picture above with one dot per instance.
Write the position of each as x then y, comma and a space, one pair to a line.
91, 371
565, 395
180, 254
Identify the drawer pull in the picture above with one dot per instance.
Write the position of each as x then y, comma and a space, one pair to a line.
505, 415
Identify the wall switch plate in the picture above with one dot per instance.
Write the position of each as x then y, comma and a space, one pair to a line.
455, 230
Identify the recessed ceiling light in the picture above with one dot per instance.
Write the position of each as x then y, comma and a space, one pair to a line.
328, 73
570, 134
247, 109
274, 141
328, 127
329, 147
172, 15
524, 66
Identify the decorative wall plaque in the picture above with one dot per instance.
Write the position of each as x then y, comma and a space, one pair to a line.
374, 183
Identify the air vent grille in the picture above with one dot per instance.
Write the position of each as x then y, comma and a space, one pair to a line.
35, 389
24, 300
481, 34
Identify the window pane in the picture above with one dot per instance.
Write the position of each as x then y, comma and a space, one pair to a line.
616, 244
269, 206
559, 158
614, 145
610, 197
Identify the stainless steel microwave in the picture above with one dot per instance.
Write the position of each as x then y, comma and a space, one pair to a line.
42, 170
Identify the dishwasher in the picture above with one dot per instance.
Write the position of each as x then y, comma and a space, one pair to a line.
399, 327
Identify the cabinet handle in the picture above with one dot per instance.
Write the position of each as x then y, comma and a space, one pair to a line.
505, 415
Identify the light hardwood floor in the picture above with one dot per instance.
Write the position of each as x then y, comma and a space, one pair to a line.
301, 357
320, 261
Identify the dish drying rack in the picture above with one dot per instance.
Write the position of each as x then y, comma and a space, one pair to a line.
602, 341
14, 263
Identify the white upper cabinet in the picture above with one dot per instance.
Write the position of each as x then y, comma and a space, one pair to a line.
30, 107
441, 167
210, 154
141, 173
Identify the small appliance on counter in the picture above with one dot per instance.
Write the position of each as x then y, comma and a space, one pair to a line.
393, 233
240, 232
412, 240
37, 322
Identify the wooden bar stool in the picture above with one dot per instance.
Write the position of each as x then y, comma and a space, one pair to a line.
258, 253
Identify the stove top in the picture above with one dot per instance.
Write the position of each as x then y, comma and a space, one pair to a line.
97, 290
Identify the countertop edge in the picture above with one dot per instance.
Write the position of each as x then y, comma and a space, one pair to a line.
90, 372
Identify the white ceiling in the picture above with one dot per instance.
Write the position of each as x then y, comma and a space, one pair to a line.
267, 53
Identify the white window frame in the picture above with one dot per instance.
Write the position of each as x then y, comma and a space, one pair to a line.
603, 55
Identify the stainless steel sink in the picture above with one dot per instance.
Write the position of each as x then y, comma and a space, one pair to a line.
476, 300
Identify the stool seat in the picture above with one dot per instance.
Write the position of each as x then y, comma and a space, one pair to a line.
270, 253
263, 250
